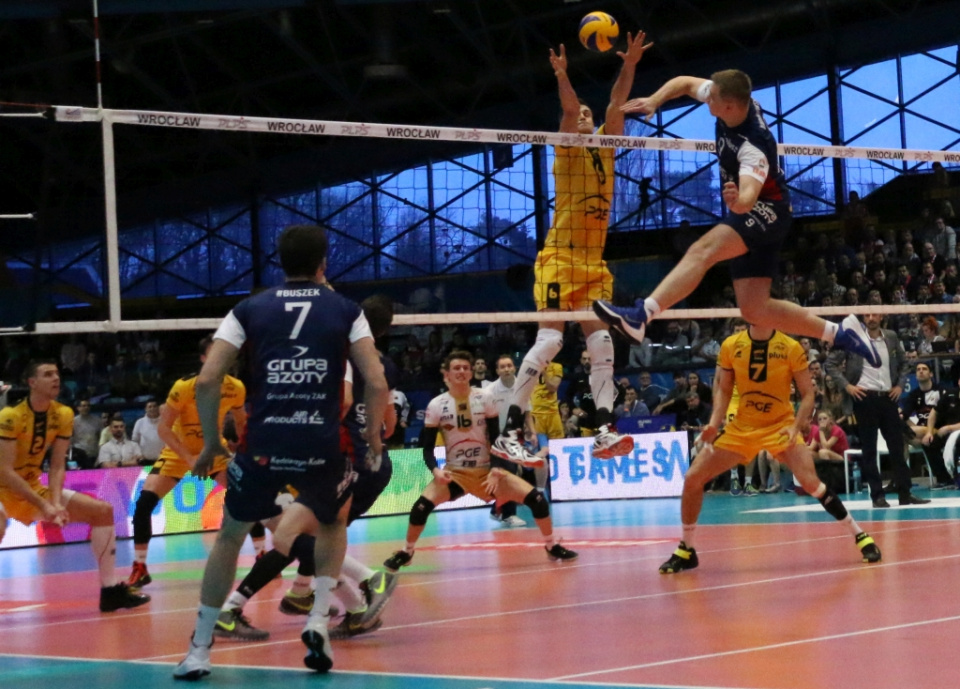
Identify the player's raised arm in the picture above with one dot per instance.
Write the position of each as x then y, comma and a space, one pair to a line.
569, 103
675, 88
613, 123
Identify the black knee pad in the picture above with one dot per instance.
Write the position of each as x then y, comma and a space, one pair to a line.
420, 511
833, 505
302, 550
143, 515
537, 504
257, 530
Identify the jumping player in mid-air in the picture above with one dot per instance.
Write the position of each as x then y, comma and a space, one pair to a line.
757, 221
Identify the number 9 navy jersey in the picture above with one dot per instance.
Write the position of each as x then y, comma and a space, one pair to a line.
297, 338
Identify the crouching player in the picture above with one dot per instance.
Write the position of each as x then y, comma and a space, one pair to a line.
27, 430
761, 362
469, 422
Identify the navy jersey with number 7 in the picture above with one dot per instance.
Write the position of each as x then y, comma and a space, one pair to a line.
297, 337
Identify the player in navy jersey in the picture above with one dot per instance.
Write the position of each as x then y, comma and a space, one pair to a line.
363, 591
297, 338
752, 231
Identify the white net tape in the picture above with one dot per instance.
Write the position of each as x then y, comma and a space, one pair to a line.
273, 125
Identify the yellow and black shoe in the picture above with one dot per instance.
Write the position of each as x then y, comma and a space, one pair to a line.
868, 548
682, 558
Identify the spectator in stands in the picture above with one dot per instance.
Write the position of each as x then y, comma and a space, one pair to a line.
123, 379
694, 384
938, 293
675, 401
72, 355
951, 279
813, 353
580, 397
923, 295
933, 257
930, 333
833, 287
836, 402
92, 376
145, 432
944, 239
706, 347
854, 218
852, 297
648, 393
118, 451
811, 294
571, 424
874, 298
943, 421
150, 375
827, 439
674, 347
480, 378
85, 442
105, 435
631, 405
694, 417
641, 355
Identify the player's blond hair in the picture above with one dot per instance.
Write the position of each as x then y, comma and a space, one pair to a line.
732, 84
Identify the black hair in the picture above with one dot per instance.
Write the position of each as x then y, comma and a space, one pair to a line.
302, 250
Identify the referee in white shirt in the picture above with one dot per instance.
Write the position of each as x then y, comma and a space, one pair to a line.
875, 392
145, 432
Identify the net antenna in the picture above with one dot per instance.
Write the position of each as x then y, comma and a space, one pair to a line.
273, 125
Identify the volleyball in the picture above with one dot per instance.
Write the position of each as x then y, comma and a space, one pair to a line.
598, 31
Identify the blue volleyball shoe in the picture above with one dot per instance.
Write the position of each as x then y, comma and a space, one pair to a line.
852, 337
628, 320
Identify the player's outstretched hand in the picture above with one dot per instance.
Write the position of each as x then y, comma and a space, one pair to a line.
492, 480
559, 62
208, 456
635, 48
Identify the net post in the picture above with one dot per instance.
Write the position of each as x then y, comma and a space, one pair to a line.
112, 228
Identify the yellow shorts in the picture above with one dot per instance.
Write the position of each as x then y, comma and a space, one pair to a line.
471, 480
747, 441
549, 425
23, 510
565, 282
174, 467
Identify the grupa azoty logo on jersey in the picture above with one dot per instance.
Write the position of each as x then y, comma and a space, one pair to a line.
297, 368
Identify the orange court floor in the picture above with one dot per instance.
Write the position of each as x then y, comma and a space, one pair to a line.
781, 600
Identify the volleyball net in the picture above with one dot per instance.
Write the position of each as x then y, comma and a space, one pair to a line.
471, 206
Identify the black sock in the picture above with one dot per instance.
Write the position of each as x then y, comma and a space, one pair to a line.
264, 571
603, 417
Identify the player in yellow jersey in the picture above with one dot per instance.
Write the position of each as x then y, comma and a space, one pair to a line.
545, 414
570, 270
761, 362
27, 431
179, 429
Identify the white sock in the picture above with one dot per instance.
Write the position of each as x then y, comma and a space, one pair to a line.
140, 555
259, 544
544, 349
206, 621
236, 600
409, 547
689, 535
829, 331
652, 308
600, 348
355, 569
320, 614
103, 542
550, 541
350, 594
851, 525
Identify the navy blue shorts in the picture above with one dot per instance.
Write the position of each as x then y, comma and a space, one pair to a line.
323, 484
368, 487
763, 230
